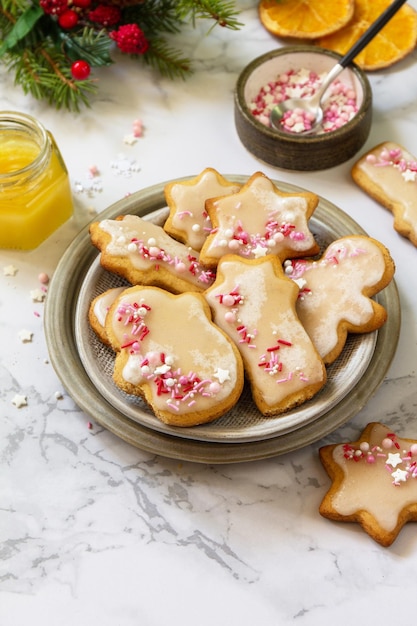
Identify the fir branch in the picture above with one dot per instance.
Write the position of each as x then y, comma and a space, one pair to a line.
223, 13
90, 45
41, 52
44, 74
166, 60
155, 16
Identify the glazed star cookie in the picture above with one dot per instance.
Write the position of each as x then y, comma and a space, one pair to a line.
374, 482
336, 291
143, 253
259, 220
188, 220
388, 173
169, 352
254, 303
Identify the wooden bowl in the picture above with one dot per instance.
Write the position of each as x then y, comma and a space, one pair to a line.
291, 150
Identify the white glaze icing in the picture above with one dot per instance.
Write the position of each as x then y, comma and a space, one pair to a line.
331, 288
394, 170
257, 221
255, 308
103, 302
169, 343
147, 246
187, 203
370, 486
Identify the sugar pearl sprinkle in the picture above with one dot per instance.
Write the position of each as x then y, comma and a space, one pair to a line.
394, 158
158, 367
339, 103
401, 464
151, 251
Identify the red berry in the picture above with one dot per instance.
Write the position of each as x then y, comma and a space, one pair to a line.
130, 39
54, 7
105, 15
80, 70
68, 19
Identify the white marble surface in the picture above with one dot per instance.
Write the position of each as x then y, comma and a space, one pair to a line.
95, 531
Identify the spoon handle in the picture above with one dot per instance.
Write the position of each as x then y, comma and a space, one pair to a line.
371, 32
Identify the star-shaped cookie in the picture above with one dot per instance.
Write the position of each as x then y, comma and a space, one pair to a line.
374, 482
259, 220
188, 220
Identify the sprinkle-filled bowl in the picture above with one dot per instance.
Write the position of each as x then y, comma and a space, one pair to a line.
301, 68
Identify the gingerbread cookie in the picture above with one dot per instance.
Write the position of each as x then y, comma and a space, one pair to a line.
143, 253
374, 482
259, 220
388, 173
171, 354
336, 290
254, 303
188, 220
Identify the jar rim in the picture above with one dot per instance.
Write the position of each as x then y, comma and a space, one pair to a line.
26, 122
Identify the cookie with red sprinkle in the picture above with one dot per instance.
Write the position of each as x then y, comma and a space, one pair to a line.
254, 303
374, 482
188, 220
169, 352
143, 253
336, 291
259, 220
388, 173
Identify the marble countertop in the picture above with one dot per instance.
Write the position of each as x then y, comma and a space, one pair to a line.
96, 531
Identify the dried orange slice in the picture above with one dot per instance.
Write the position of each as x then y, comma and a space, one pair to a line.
397, 39
305, 19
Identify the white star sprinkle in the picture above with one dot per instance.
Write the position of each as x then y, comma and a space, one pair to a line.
37, 295
222, 375
409, 176
399, 476
129, 140
19, 401
10, 270
394, 459
259, 251
25, 336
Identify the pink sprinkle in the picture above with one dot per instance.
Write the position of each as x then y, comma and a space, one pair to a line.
137, 128
93, 170
43, 278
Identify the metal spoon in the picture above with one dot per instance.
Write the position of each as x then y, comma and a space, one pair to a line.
313, 105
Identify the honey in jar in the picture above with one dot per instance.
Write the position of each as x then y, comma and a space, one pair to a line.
35, 194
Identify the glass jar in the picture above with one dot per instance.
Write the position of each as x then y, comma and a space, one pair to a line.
35, 194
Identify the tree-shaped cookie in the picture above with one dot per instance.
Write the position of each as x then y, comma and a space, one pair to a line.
254, 303
336, 291
374, 482
170, 353
259, 220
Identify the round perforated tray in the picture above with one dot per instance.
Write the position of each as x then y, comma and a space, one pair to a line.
244, 422
85, 365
